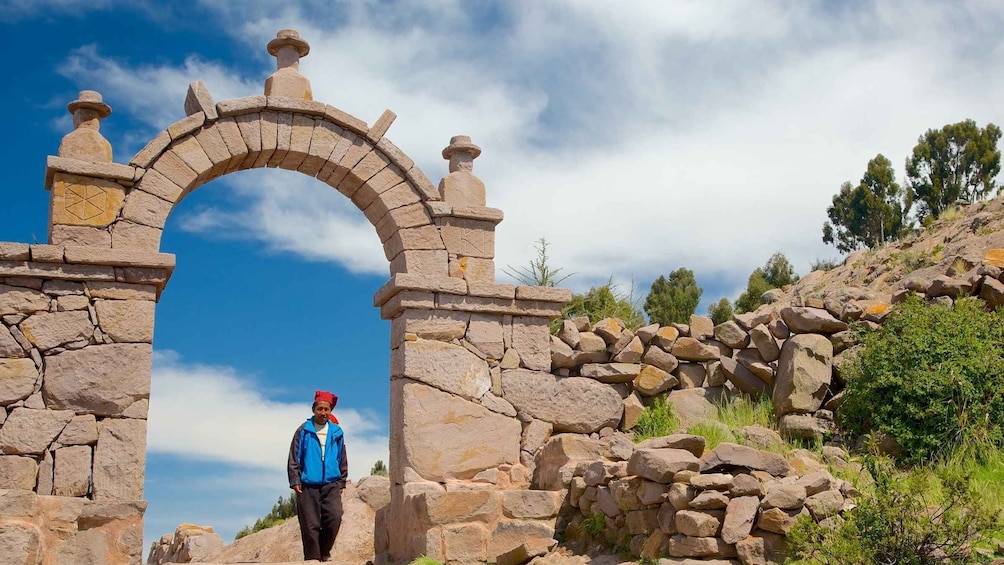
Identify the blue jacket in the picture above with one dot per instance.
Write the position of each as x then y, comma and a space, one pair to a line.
305, 464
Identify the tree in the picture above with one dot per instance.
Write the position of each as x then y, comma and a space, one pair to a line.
958, 161
775, 273
869, 214
539, 272
673, 299
379, 468
720, 311
604, 302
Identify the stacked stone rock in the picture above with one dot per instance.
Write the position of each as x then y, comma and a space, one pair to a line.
780, 350
670, 497
189, 543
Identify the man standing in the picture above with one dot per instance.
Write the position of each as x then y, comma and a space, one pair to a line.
318, 468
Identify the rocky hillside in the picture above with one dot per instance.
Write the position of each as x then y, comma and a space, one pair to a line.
362, 503
954, 245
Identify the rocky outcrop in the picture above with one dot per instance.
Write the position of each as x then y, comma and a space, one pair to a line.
361, 503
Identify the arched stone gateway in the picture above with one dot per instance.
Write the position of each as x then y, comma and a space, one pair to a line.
77, 327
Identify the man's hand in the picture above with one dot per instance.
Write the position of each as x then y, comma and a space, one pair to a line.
298, 489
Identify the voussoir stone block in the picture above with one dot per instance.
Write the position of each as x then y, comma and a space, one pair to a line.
30, 432
119, 460
572, 404
100, 379
444, 436
448, 367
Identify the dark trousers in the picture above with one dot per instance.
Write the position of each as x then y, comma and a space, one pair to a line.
319, 510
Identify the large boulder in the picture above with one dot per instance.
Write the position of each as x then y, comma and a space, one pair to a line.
803, 375
571, 404
660, 465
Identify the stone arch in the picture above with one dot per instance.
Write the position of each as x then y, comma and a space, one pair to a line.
452, 324
309, 137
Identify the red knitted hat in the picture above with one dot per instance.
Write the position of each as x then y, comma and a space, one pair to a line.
325, 396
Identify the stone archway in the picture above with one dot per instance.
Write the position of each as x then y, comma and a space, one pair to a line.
80, 311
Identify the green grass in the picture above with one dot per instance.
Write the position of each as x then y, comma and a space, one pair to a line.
656, 420
712, 432
745, 411
426, 560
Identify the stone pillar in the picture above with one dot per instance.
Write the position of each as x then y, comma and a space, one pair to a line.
76, 332
286, 81
87, 189
459, 487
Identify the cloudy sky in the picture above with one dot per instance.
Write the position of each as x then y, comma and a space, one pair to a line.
637, 137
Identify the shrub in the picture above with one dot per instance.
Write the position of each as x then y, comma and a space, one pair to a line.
656, 420
282, 510
824, 264
604, 302
904, 521
932, 378
720, 311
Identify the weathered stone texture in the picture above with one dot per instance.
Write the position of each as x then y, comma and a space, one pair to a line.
100, 379
446, 437
572, 404
119, 460
448, 367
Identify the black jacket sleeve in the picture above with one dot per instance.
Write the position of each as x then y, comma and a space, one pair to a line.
343, 465
293, 464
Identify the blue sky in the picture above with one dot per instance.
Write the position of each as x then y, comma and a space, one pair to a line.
638, 137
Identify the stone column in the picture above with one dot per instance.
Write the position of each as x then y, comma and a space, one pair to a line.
76, 331
286, 81
87, 189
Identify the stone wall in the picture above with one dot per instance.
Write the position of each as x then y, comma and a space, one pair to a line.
667, 495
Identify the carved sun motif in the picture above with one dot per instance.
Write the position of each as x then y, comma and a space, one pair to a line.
85, 202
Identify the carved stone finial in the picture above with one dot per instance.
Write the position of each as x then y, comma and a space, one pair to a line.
460, 187
85, 142
288, 48
461, 153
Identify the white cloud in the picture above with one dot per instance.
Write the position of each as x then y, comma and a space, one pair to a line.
206, 412
637, 138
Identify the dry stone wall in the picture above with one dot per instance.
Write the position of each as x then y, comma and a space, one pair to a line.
669, 496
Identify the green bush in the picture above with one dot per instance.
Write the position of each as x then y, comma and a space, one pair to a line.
932, 378
918, 518
601, 302
713, 433
656, 420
